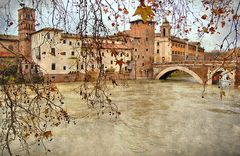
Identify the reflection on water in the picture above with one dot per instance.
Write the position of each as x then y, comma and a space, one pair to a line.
158, 118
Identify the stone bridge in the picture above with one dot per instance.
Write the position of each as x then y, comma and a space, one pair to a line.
202, 72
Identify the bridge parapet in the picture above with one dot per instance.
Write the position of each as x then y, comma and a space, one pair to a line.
197, 63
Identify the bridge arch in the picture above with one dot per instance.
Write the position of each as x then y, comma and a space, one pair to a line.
184, 69
217, 70
222, 70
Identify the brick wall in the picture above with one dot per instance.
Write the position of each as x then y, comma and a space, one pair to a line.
143, 43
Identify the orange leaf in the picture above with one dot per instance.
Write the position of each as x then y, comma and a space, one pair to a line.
120, 9
120, 62
144, 12
212, 30
204, 16
221, 10
223, 23
46, 110
235, 17
26, 135
178, 26
205, 29
114, 52
105, 10
216, 12
125, 11
47, 134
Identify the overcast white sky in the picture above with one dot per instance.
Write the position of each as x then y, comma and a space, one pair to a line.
209, 42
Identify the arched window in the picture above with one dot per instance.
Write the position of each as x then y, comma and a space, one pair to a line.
163, 59
164, 32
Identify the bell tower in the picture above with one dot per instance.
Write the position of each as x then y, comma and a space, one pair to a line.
143, 34
165, 29
26, 26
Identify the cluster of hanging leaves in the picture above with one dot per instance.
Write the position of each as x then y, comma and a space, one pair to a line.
30, 107
29, 110
98, 99
218, 14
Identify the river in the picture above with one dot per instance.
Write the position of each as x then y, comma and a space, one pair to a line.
157, 118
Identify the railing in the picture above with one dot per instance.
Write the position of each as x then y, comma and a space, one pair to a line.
202, 62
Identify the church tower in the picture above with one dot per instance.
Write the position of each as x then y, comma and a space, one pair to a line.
165, 29
143, 35
163, 52
26, 26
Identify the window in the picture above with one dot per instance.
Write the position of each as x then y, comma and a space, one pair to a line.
82, 67
53, 51
64, 67
158, 43
163, 59
64, 41
28, 16
27, 36
63, 53
70, 42
111, 62
10, 47
78, 43
102, 53
142, 64
121, 54
146, 39
53, 66
143, 57
157, 51
28, 26
127, 54
111, 54
146, 49
135, 49
164, 32
48, 36
26, 66
138, 56
92, 66
38, 53
77, 67
72, 53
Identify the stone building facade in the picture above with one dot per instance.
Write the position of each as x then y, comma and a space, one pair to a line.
142, 40
173, 49
61, 55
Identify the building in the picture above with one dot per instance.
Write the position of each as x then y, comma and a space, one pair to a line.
142, 38
63, 55
172, 49
7, 45
68, 57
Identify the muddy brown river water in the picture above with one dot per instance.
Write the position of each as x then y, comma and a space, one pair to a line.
159, 118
